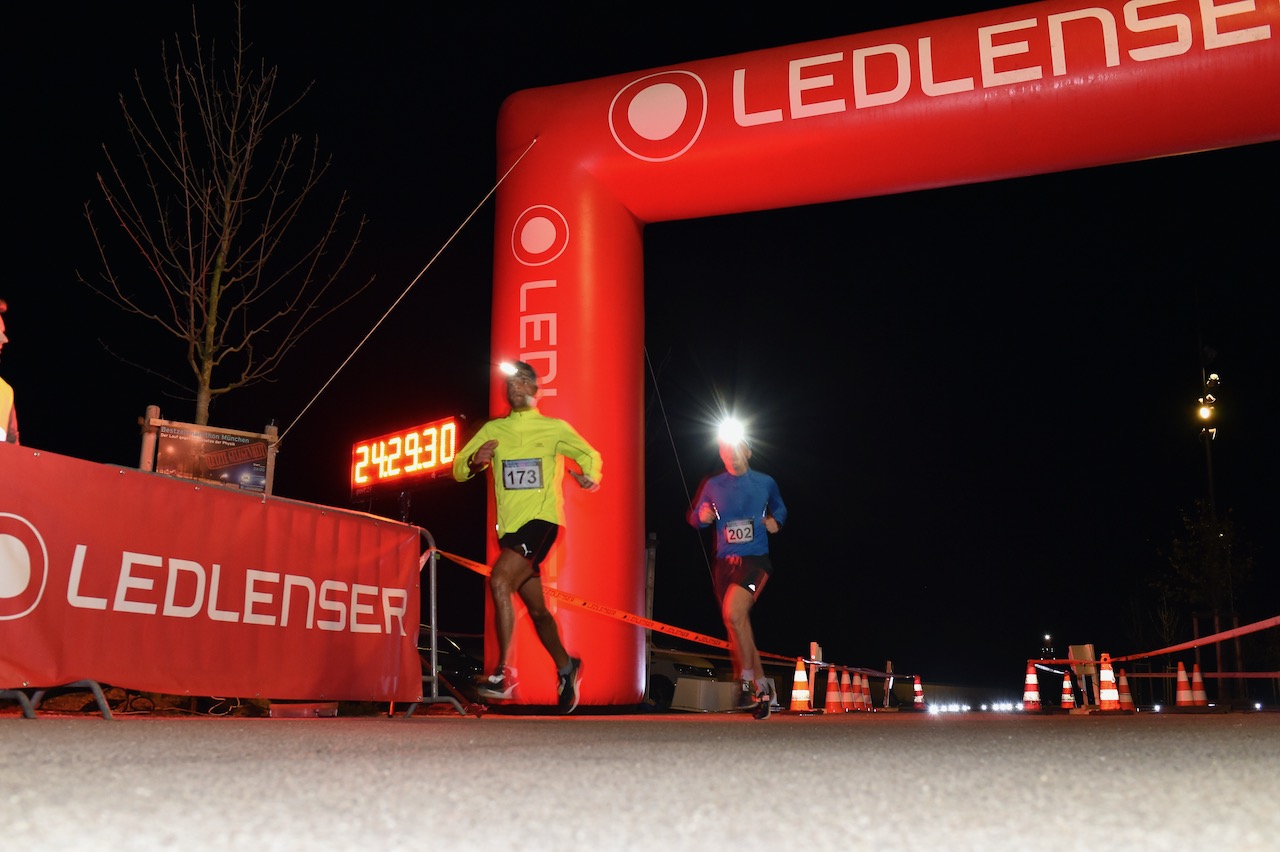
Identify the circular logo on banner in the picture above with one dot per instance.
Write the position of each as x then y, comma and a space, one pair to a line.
24, 567
659, 117
540, 235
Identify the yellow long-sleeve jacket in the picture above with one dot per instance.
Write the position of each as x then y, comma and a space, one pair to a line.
528, 465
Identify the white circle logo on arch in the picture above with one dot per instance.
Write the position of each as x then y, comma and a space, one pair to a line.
24, 567
659, 117
540, 235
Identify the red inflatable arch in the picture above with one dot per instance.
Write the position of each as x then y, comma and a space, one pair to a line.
1032, 89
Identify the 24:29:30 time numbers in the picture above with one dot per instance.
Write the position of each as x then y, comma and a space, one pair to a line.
411, 452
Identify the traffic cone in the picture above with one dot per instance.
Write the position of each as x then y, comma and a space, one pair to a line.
1068, 697
1184, 698
1109, 695
1126, 700
919, 699
864, 692
800, 688
1031, 690
846, 691
832, 702
1198, 697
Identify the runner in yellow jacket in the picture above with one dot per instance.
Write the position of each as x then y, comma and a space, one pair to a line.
526, 452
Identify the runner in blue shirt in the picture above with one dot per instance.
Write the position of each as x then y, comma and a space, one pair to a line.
746, 508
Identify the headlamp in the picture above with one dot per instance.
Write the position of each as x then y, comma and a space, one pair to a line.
732, 432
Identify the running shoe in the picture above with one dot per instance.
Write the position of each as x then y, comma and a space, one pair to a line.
499, 685
747, 697
567, 687
764, 705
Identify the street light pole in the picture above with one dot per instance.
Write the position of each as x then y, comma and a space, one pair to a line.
1208, 433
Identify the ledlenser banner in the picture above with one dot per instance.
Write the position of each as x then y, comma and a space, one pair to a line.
159, 585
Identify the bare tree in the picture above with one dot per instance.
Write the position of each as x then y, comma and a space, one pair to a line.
214, 202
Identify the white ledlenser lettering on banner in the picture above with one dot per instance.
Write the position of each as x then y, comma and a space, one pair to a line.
137, 593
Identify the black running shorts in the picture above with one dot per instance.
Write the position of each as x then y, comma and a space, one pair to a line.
750, 572
532, 541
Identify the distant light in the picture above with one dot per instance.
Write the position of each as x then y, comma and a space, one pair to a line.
1206, 411
1257, 706
1156, 708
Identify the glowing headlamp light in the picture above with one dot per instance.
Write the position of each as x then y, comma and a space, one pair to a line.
732, 432
520, 370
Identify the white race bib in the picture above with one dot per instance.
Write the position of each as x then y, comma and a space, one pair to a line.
520, 474
739, 532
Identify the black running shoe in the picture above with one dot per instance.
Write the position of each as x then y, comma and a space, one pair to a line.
567, 687
764, 705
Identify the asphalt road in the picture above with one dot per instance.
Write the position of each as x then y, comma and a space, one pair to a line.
661, 781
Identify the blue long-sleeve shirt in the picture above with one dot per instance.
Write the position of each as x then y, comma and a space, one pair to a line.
741, 503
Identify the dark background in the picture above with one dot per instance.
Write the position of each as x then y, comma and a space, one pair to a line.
978, 401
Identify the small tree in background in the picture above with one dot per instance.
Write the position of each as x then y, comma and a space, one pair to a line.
214, 201
1211, 569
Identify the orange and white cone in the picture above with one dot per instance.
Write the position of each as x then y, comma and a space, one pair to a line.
846, 691
1198, 696
1068, 697
800, 688
1183, 698
1126, 700
1031, 690
864, 692
832, 702
1108, 694
918, 702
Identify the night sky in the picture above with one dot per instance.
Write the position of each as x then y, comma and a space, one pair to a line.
978, 402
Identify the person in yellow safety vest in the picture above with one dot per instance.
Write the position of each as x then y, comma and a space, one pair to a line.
525, 449
8, 412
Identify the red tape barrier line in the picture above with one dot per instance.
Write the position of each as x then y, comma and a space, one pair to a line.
608, 611
1274, 621
1209, 675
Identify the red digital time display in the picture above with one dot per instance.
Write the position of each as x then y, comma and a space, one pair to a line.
400, 459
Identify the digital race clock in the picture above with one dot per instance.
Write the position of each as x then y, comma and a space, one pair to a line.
405, 458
